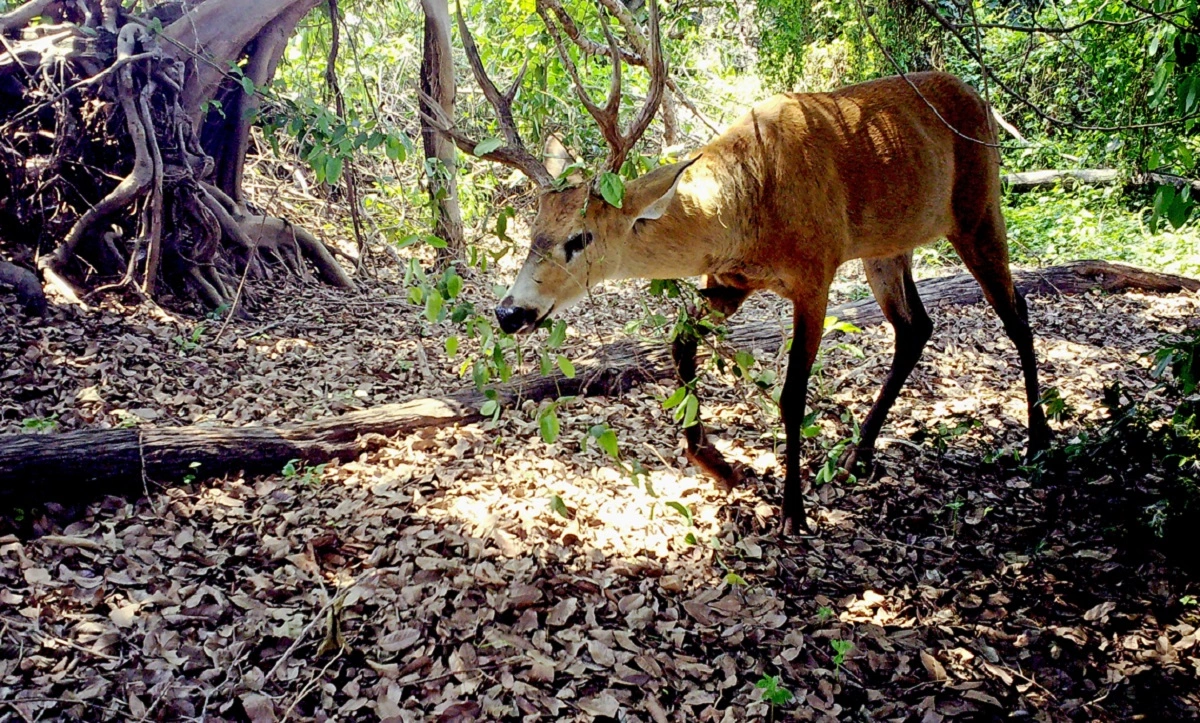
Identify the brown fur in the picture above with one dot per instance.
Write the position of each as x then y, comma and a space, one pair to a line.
800, 185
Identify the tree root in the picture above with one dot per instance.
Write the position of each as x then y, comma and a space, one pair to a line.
25, 283
131, 110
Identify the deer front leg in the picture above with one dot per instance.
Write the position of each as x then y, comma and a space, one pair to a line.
806, 338
724, 300
700, 451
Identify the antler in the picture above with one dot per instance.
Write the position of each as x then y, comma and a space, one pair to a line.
608, 116
513, 153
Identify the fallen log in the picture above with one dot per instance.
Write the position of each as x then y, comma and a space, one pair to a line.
1031, 180
77, 466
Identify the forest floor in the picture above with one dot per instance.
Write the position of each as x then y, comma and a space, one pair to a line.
434, 579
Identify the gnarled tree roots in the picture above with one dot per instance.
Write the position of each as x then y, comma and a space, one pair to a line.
122, 150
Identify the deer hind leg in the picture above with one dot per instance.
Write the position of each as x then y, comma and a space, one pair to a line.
984, 249
700, 451
892, 283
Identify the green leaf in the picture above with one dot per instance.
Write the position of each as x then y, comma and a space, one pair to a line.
691, 410
433, 307
248, 85
558, 335
487, 146
549, 425
608, 442
333, 169
566, 367
676, 399
395, 149
489, 408
612, 188
560, 507
733, 578
682, 510
811, 431
436, 242
454, 286
451, 345
744, 359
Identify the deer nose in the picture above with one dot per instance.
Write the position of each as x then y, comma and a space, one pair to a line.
514, 318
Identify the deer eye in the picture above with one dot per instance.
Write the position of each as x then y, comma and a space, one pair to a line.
577, 243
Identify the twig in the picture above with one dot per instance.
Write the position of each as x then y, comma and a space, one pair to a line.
70, 541
319, 617
888, 54
43, 637
237, 296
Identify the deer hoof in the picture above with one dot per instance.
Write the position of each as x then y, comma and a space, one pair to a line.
858, 461
795, 525
710, 461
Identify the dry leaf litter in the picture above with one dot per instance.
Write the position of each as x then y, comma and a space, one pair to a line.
434, 580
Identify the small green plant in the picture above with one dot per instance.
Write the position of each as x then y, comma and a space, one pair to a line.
1182, 358
840, 649
190, 477
824, 613
190, 342
296, 469
955, 507
548, 423
559, 506
1056, 407
1188, 601
942, 435
40, 424
735, 580
773, 692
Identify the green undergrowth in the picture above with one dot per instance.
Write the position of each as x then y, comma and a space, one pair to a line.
1060, 225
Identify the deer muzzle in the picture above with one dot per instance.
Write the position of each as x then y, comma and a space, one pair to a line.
514, 318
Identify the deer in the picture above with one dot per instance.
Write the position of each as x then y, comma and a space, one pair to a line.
800, 185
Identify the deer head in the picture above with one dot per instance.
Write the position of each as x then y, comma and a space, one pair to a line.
580, 240
577, 237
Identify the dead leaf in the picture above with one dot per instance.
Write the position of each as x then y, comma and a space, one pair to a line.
933, 667
259, 708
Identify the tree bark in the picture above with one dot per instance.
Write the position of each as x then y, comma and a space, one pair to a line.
78, 466
437, 82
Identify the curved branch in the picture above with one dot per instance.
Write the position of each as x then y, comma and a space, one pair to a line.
24, 14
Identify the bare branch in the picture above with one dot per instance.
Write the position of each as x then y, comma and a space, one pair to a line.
517, 157
586, 44
1064, 30
24, 14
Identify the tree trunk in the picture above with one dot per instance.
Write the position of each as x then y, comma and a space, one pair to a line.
1031, 180
163, 115
437, 82
75, 467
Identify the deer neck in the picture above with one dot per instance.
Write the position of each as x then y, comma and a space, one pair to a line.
700, 229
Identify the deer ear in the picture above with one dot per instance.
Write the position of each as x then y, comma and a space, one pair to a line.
652, 194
